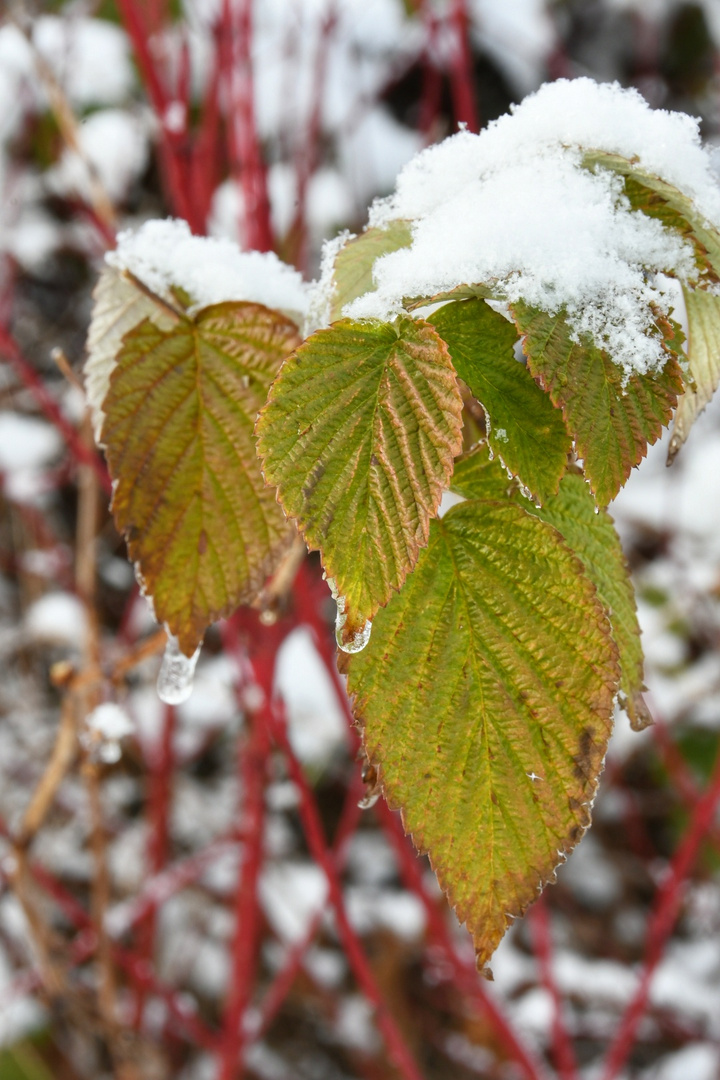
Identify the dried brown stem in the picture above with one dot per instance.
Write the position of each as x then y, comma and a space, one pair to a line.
61, 760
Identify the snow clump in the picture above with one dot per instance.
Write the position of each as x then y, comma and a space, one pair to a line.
514, 207
163, 254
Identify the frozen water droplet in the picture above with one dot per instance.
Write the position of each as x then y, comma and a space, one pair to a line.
349, 643
359, 639
373, 787
175, 681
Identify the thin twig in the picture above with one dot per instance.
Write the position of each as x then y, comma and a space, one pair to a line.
62, 757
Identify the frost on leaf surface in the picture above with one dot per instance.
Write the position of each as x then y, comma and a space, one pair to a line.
524, 429
359, 435
486, 696
611, 417
189, 495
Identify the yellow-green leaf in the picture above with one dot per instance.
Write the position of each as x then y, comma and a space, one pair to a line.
190, 498
525, 430
485, 696
353, 271
590, 533
612, 417
359, 435
703, 350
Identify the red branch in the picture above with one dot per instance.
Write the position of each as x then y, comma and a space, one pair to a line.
662, 920
173, 144
542, 939
461, 72
282, 984
160, 772
30, 379
248, 167
253, 754
312, 826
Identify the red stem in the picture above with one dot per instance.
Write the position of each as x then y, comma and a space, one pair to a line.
253, 753
30, 378
160, 772
461, 73
562, 1049
189, 1027
307, 157
662, 920
248, 167
312, 826
282, 984
173, 145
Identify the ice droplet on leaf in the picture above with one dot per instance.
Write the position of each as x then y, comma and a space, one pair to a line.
175, 681
349, 643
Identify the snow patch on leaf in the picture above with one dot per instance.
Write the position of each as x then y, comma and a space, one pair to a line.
514, 207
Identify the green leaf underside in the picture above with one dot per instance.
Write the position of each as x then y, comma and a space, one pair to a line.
460, 292
190, 496
354, 262
703, 349
590, 534
494, 665
359, 435
611, 417
525, 430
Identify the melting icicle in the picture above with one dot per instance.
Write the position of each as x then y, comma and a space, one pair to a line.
357, 642
175, 681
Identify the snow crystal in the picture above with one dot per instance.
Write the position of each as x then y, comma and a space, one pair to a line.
518, 36
90, 57
59, 619
165, 253
513, 206
291, 895
317, 727
115, 143
699, 1060
110, 721
26, 443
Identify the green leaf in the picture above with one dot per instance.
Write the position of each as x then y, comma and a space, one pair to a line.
485, 696
612, 417
591, 534
190, 498
703, 349
658, 199
524, 428
477, 475
355, 261
359, 435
